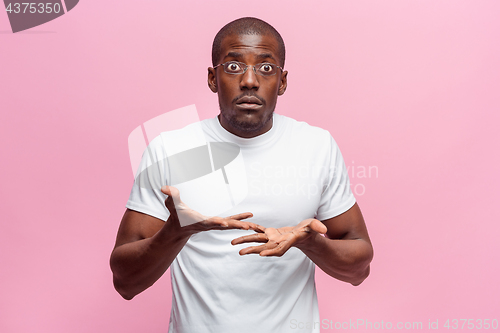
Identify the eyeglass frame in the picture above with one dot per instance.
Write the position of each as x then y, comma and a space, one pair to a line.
246, 67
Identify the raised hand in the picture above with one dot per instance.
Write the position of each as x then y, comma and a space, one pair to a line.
189, 219
278, 241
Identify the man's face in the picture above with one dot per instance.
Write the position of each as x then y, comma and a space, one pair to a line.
247, 101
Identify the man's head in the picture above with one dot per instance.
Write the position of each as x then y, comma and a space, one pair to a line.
247, 26
247, 100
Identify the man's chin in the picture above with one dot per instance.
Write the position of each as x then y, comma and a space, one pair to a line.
248, 126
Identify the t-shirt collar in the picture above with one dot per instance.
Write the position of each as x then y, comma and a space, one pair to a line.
255, 141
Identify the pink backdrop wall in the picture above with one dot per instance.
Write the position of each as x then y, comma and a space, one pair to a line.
409, 88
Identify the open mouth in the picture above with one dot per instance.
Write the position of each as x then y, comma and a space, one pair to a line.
249, 103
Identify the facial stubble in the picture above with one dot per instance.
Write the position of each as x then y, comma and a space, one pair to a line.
244, 126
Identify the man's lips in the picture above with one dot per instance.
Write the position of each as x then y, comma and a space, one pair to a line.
249, 100
249, 103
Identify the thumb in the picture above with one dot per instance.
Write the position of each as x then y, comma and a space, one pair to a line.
174, 197
318, 226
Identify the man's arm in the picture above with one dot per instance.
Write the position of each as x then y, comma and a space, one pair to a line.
146, 246
345, 253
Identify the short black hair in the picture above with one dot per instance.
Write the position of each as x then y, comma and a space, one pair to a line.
247, 26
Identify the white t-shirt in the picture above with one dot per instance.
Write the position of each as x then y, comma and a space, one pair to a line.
293, 172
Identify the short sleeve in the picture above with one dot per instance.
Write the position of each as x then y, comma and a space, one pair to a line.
146, 196
337, 196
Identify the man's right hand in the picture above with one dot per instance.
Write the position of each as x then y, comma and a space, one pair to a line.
195, 222
146, 246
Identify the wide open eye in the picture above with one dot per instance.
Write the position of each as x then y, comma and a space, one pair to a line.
233, 67
267, 69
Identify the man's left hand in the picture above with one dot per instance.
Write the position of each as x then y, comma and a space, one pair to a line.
278, 241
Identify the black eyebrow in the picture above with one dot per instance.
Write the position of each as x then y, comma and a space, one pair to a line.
233, 54
261, 56
265, 56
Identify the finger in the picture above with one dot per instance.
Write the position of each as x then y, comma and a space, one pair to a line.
251, 225
277, 251
253, 249
170, 190
318, 226
218, 223
173, 193
255, 238
169, 203
255, 227
231, 222
241, 216
236, 224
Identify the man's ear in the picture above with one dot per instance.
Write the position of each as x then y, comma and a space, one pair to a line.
212, 80
283, 83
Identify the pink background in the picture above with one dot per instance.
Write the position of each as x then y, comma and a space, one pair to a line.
408, 87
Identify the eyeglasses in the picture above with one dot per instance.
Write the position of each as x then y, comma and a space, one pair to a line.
235, 67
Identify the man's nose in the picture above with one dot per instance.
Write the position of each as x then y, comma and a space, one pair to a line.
249, 79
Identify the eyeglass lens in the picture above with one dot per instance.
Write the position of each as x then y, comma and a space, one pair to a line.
266, 69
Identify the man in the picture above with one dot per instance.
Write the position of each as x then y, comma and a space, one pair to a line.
296, 178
